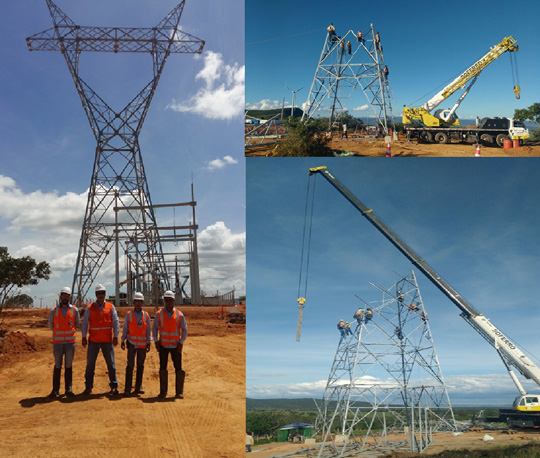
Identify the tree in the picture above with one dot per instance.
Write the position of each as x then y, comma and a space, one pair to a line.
23, 301
304, 139
532, 113
19, 272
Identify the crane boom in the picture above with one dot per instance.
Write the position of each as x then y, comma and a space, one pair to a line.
508, 350
507, 44
423, 113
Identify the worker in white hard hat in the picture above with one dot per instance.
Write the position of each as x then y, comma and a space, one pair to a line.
63, 321
101, 322
171, 326
136, 331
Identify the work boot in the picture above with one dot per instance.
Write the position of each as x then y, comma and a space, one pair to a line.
180, 377
68, 379
163, 383
56, 383
138, 380
129, 380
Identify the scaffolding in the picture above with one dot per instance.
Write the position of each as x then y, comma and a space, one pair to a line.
385, 388
345, 64
118, 180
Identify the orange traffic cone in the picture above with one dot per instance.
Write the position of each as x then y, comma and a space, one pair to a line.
477, 154
388, 150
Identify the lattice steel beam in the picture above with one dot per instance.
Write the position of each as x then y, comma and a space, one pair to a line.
118, 178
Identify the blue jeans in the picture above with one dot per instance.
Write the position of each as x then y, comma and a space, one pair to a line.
91, 356
61, 349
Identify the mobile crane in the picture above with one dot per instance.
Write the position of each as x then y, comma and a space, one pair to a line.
526, 407
439, 126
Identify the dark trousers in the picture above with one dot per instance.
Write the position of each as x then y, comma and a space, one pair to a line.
107, 350
133, 351
164, 356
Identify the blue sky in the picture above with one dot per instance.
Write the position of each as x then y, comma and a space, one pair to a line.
191, 132
475, 222
425, 47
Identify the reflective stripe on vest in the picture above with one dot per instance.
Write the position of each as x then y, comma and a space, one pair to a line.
64, 327
169, 328
100, 322
137, 335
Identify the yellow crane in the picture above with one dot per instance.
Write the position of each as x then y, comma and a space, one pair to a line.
448, 116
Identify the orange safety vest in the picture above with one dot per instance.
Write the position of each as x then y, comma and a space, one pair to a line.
64, 327
137, 335
169, 328
100, 323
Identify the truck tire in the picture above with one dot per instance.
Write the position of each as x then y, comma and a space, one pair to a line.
501, 138
425, 137
441, 137
486, 139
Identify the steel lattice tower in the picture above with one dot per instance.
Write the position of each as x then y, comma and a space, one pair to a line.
119, 212
339, 73
386, 376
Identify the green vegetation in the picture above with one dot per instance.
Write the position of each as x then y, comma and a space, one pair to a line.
19, 272
304, 139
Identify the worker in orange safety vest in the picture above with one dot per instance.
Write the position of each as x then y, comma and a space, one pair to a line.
136, 331
171, 326
63, 321
101, 322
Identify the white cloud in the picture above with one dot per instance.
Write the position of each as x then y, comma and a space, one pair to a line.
265, 104
222, 97
220, 163
362, 108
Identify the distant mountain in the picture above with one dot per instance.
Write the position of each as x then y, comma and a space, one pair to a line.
304, 404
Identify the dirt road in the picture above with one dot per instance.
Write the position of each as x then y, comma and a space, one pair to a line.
402, 148
208, 423
442, 442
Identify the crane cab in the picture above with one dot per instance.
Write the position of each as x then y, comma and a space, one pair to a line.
527, 403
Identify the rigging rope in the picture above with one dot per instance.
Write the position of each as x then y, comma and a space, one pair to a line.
306, 246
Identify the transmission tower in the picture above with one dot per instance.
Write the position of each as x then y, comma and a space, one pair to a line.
341, 70
118, 179
385, 378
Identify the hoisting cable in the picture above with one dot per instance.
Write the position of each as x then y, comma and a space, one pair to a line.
305, 248
515, 76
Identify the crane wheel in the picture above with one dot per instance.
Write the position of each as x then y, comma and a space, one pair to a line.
501, 138
486, 139
425, 137
441, 137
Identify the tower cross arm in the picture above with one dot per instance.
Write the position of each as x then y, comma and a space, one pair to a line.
115, 39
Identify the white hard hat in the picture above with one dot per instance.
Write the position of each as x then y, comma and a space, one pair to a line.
100, 288
66, 290
138, 297
169, 293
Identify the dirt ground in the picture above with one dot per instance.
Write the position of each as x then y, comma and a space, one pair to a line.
442, 442
207, 423
402, 148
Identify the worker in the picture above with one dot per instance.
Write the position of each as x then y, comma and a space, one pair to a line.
386, 72
413, 307
349, 47
342, 46
348, 329
101, 322
249, 442
341, 327
171, 326
360, 37
369, 314
136, 331
423, 315
401, 297
63, 321
344, 131
331, 32
359, 315
378, 41
398, 333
